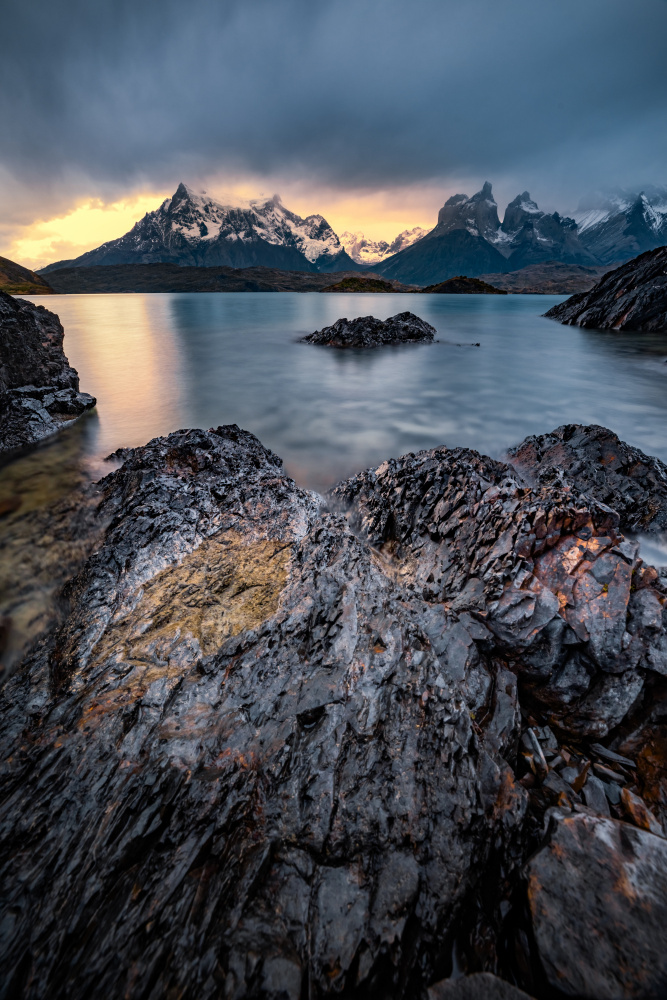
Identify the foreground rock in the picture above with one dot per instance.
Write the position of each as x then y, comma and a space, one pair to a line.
633, 297
367, 331
462, 285
598, 896
274, 750
596, 462
39, 390
482, 986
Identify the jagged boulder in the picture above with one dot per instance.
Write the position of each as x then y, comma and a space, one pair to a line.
367, 331
270, 747
633, 297
595, 461
39, 390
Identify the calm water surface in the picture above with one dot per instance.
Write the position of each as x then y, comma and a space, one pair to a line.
160, 362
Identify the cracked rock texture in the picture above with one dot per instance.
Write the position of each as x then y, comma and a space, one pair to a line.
39, 390
633, 297
593, 460
367, 331
269, 749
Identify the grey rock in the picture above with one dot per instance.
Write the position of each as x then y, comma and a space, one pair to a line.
367, 331
633, 297
594, 796
39, 390
598, 899
480, 986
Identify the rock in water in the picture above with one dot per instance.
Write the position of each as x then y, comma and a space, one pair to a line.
367, 331
595, 461
633, 297
266, 752
39, 390
598, 898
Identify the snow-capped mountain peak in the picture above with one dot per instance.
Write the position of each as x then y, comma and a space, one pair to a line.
365, 251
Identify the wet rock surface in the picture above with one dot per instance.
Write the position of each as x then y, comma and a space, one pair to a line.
39, 390
278, 750
367, 331
593, 460
633, 297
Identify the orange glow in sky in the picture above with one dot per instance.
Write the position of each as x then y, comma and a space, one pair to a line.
379, 215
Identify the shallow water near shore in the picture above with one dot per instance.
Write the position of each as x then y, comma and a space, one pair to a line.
161, 362
157, 363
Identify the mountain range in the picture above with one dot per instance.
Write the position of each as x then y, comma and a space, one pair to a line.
192, 229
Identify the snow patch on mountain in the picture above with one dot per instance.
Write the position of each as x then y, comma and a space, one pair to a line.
365, 251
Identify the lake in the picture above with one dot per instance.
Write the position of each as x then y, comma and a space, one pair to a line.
157, 363
161, 362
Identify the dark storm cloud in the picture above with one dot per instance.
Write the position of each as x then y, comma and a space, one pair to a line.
346, 92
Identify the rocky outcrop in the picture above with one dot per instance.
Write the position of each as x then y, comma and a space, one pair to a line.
482, 986
367, 331
594, 461
39, 390
274, 749
633, 297
462, 285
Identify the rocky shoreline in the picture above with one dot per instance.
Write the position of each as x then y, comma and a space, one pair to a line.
633, 297
279, 748
39, 390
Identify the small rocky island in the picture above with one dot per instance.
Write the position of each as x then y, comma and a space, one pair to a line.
463, 285
367, 331
633, 297
39, 390
274, 747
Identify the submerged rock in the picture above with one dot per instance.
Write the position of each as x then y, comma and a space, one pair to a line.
39, 390
272, 750
633, 297
598, 899
367, 331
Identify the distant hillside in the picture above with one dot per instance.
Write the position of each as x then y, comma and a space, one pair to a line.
463, 285
174, 278
550, 278
17, 280
193, 230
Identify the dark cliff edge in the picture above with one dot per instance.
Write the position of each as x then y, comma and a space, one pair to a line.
39, 390
278, 750
633, 297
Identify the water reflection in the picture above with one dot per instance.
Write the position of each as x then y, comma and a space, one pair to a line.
160, 362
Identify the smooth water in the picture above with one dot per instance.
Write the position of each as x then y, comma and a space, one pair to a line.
165, 361
161, 362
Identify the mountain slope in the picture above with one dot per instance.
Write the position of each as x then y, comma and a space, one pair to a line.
18, 280
193, 230
370, 252
625, 225
461, 243
534, 237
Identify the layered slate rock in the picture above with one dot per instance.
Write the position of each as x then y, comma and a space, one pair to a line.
633, 297
598, 899
595, 461
39, 390
367, 331
266, 751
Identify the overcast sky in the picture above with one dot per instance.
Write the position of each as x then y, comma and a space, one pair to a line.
108, 97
